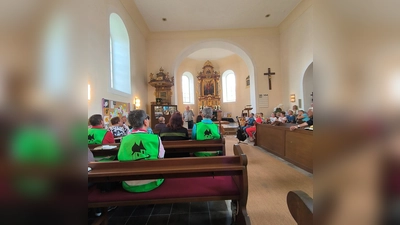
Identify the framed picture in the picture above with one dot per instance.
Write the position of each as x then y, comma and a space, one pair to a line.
208, 87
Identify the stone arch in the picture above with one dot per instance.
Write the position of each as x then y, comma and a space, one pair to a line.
223, 44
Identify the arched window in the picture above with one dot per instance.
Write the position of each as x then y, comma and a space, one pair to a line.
229, 86
120, 66
187, 88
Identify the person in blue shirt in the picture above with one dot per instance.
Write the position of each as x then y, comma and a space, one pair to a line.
250, 122
290, 117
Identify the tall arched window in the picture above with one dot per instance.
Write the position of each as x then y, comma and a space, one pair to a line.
120, 66
187, 88
229, 86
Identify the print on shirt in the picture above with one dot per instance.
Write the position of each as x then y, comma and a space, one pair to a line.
138, 151
91, 138
208, 134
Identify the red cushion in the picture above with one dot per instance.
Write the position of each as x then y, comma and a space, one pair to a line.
172, 188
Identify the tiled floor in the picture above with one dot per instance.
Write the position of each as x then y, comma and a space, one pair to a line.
201, 213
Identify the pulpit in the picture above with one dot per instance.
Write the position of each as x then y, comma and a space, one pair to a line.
246, 112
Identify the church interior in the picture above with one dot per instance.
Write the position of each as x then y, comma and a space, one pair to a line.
238, 60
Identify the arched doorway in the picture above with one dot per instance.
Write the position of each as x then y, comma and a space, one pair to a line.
308, 87
223, 45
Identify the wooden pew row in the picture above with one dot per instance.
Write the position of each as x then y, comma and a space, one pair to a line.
300, 206
188, 179
155, 131
189, 146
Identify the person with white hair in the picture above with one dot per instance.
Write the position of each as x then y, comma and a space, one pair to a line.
310, 122
206, 130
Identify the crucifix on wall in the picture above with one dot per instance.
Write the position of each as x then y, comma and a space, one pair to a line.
269, 77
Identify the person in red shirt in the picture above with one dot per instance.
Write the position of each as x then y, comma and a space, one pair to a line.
97, 134
252, 130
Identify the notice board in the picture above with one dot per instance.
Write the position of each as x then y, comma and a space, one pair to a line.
111, 108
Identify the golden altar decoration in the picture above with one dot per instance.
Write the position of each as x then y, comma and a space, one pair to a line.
209, 87
163, 83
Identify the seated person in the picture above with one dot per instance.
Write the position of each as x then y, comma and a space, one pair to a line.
149, 130
281, 119
174, 130
310, 122
161, 123
117, 128
97, 134
290, 117
250, 122
206, 130
124, 125
302, 117
252, 130
140, 145
272, 118
199, 118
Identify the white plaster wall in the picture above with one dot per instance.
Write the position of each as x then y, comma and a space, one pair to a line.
296, 48
98, 68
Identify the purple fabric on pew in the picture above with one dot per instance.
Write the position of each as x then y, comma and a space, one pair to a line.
188, 187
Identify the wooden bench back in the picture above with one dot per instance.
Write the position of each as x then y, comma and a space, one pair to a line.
172, 146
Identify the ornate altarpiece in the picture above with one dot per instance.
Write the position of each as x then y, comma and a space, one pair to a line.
209, 86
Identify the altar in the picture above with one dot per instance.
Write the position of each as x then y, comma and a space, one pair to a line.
209, 87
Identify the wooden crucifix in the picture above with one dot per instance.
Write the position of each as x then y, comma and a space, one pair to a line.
269, 77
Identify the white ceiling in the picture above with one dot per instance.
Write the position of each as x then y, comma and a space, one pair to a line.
185, 15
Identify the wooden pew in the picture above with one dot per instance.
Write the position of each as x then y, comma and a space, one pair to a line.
155, 131
300, 205
191, 179
189, 146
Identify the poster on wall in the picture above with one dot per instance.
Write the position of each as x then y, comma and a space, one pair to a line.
111, 108
263, 100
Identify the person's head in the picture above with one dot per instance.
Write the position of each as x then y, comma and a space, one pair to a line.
96, 120
273, 114
187, 107
290, 112
116, 121
278, 114
310, 111
123, 119
261, 114
161, 119
138, 119
176, 121
282, 114
199, 118
301, 112
207, 112
295, 107
251, 114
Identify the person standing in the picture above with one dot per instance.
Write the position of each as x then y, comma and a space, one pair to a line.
188, 117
